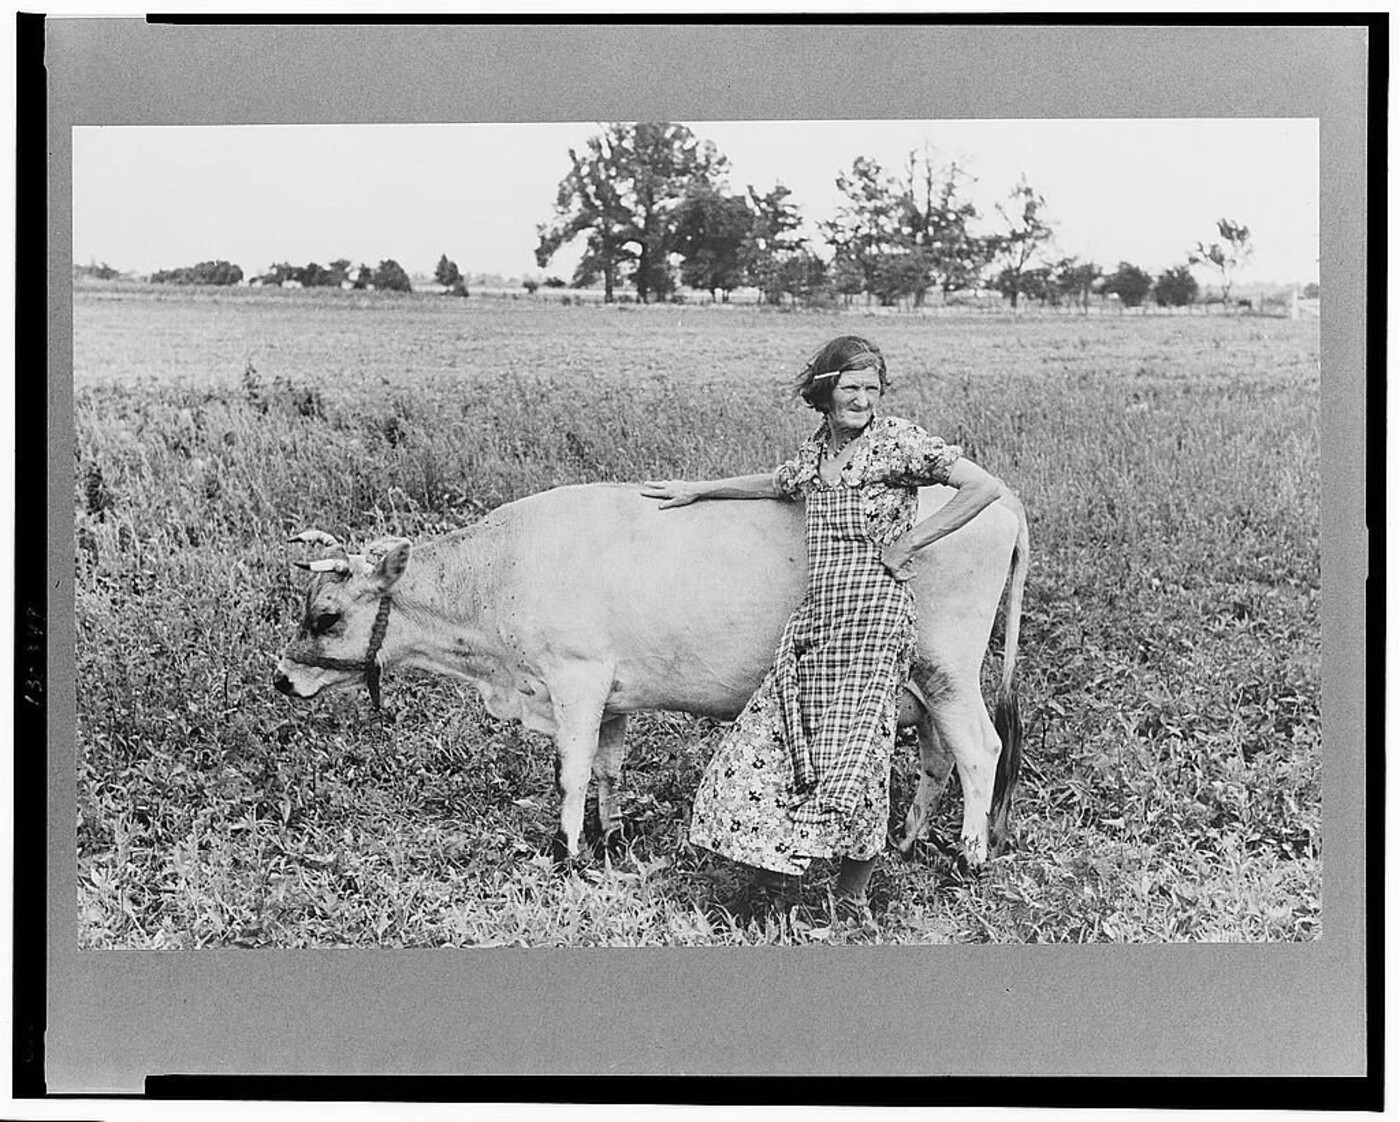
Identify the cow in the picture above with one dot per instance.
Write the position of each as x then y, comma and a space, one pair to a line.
572, 608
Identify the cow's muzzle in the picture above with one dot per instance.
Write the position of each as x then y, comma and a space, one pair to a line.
368, 666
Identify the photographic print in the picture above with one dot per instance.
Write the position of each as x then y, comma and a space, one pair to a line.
457, 353
800, 550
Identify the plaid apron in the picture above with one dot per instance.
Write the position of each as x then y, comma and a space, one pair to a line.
842, 660
803, 771
825, 711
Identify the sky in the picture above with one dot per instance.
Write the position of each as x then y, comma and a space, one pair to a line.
1141, 190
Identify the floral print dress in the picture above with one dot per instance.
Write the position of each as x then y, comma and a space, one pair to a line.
804, 770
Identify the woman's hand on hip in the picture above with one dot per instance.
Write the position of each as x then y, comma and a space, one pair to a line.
671, 492
898, 558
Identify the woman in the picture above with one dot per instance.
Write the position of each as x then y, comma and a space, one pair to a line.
804, 770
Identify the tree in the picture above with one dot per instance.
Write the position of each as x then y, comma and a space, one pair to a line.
450, 277
902, 236
1129, 283
1176, 288
1312, 291
900, 274
312, 275
590, 201
710, 235
621, 193
772, 239
340, 271
801, 275
390, 276
277, 273
447, 274
1227, 257
1026, 231
934, 226
1073, 281
866, 226
364, 276
669, 164
920, 222
206, 272
846, 277
1029, 284
1033, 283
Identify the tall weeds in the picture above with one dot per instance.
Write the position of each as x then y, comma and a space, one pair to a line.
1170, 658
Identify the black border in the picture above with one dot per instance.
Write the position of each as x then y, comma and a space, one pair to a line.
29, 977
1321, 1093
1377, 390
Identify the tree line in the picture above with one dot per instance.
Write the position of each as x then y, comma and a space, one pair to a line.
388, 275
206, 272
652, 205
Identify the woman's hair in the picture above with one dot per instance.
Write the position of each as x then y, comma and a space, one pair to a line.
824, 369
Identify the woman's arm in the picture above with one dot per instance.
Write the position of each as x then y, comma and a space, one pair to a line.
977, 489
676, 492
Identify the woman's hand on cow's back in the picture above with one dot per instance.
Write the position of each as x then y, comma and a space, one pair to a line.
671, 492
676, 492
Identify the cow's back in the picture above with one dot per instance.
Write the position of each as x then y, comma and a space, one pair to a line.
688, 603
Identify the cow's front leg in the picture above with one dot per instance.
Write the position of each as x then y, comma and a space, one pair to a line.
578, 708
607, 772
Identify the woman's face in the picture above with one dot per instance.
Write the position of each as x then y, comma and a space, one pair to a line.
853, 399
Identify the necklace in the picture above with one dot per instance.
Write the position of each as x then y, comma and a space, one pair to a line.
833, 453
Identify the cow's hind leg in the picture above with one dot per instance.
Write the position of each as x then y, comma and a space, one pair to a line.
578, 710
935, 765
607, 773
962, 724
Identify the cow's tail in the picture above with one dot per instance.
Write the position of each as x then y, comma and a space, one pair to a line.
1006, 715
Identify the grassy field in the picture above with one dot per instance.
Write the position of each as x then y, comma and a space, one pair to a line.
1170, 662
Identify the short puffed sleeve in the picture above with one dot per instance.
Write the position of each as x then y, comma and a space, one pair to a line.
913, 457
795, 477
787, 477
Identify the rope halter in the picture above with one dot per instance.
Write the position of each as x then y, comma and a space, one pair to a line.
369, 665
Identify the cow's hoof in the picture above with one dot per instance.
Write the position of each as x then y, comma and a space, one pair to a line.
615, 843
903, 846
967, 869
930, 846
564, 861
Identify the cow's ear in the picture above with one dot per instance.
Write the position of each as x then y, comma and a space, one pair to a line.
387, 558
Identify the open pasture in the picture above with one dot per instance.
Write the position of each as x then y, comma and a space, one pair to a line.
1170, 660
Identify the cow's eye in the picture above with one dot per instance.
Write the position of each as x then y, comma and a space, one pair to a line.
322, 622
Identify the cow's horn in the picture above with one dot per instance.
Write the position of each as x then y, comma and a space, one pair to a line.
329, 565
325, 565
